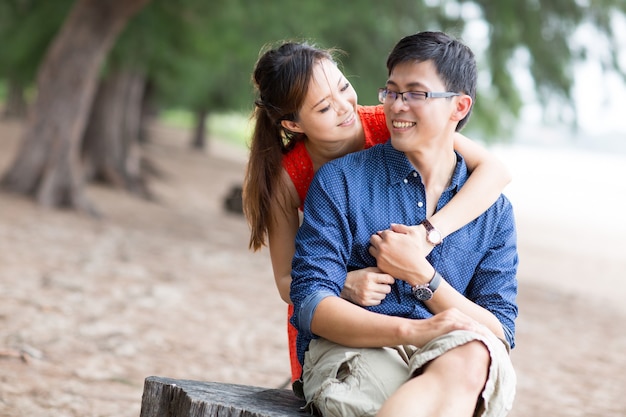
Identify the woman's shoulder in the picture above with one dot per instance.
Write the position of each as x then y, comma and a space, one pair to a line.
298, 165
374, 124
296, 155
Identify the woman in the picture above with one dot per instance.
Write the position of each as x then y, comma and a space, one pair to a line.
307, 114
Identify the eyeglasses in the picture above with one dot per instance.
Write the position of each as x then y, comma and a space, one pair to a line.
386, 96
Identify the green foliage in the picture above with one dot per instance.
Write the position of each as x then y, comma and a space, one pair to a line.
191, 51
199, 54
544, 31
27, 26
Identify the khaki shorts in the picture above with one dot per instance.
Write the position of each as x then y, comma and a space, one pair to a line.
341, 381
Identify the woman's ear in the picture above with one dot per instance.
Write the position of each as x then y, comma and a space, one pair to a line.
291, 126
463, 106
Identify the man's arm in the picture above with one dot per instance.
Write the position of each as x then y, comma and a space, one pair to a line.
344, 323
323, 248
395, 249
490, 298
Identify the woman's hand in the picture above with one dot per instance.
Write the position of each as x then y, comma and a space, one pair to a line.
367, 287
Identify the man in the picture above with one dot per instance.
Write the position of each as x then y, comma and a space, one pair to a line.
437, 345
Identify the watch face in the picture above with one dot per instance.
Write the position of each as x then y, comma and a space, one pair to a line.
422, 293
434, 237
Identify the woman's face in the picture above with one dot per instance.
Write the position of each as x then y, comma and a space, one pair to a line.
328, 113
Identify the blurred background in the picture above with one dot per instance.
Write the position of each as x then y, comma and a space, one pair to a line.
124, 127
553, 68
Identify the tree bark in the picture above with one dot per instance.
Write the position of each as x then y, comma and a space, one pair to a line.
199, 135
166, 397
148, 111
47, 166
111, 145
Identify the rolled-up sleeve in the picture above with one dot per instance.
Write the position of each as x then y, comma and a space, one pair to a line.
307, 310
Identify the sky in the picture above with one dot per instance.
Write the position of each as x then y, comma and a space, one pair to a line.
602, 112
599, 97
598, 94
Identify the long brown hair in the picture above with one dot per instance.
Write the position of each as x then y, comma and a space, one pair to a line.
281, 78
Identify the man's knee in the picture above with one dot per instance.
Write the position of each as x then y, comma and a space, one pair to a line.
466, 366
477, 360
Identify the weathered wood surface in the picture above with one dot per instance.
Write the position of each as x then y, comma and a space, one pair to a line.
166, 397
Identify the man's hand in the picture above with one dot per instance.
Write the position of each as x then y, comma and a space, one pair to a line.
401, 252
367, 287
443, 323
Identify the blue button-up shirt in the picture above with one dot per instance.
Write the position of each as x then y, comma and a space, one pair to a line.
353, 197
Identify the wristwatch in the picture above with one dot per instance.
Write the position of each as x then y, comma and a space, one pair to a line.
424, 292
433, 236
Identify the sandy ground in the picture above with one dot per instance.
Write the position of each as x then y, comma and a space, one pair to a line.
90, 307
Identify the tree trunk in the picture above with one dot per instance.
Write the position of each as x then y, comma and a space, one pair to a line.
167, 397
148, 111
47, 165
15, 107
199, 136
111, 149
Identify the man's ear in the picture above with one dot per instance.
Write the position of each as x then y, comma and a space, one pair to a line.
463, 106
291, 126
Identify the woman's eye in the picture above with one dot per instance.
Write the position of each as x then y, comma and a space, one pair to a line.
345, 87
325, 109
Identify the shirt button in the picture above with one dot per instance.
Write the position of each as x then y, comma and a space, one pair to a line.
406, 181
420, 204
414, 173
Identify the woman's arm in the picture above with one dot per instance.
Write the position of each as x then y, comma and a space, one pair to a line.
488, 178
282, 235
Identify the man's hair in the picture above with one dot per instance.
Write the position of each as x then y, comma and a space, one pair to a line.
454, 61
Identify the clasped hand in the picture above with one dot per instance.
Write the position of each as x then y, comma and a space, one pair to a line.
401, 251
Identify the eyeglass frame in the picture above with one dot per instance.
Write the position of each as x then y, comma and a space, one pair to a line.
425, 94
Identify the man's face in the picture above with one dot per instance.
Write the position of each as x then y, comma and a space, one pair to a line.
414, 123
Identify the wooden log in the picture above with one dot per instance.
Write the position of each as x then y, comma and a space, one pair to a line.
166, 397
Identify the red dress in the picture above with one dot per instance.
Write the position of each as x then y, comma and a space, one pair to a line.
297, 162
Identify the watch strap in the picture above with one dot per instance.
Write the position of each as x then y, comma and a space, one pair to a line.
435, 281
425, 292
428, 225
430, 230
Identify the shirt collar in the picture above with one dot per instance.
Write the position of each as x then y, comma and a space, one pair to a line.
399, 167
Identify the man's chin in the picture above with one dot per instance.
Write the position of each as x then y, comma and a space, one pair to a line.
402, 144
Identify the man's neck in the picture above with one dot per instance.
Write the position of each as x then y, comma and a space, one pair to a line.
436, 168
